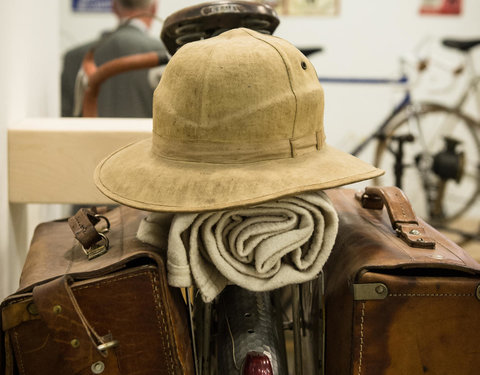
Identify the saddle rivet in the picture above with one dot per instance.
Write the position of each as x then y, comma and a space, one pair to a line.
57, 309
75, 343
415, 232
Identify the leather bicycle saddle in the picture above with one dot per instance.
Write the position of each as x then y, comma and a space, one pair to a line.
462, 45
205, 20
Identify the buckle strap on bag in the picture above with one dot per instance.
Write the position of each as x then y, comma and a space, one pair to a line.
401, 214
94, 241
78, 342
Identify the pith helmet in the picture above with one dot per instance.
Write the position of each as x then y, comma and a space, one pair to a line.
237, 120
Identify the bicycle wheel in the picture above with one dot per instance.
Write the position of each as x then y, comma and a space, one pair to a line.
433, 153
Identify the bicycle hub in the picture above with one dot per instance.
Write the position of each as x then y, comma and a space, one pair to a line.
449, 163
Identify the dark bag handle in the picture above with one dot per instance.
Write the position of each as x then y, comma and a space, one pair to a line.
402, 217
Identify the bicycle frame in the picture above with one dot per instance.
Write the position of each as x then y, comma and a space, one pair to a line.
402, 104
472, 86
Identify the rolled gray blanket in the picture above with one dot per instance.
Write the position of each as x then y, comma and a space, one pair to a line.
258, 248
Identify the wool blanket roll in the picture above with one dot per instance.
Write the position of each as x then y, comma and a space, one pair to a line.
258, 248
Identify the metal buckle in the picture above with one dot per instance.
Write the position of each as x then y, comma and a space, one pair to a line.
108, 345
95, 251
107, 222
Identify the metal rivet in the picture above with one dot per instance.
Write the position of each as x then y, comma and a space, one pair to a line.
380, 289
414, 232
420, 240
75, 343
57, 309
478, 292
304, 65
32, 309
98, 367
437, 256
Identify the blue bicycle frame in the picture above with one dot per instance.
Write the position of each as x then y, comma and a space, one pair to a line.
406, 100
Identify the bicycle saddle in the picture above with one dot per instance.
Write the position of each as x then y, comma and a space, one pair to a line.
205, 20
462, 45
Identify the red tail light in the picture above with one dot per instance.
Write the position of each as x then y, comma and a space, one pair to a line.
257, 364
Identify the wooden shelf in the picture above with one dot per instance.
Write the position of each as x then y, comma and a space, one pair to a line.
52, 160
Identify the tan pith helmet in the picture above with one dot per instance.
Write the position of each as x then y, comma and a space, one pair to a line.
237, 120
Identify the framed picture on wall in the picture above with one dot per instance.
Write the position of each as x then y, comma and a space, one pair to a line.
305, 7
92, 6
439, 7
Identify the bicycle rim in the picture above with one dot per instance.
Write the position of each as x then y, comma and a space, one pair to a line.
439, 199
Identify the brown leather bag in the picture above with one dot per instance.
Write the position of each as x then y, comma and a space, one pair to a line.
112, 314
400, 297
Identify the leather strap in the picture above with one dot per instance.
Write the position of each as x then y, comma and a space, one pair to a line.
400, 212
17, 313
83, 227
77, 340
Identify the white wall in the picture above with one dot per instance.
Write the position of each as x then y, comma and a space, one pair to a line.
29, 75
365, 40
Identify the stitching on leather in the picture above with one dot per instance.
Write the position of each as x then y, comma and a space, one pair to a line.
109, 281
154, 282
17, 344
430, 295
122, 229
362, 320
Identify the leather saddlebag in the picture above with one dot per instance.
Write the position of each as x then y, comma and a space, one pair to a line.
105, 310
400, 297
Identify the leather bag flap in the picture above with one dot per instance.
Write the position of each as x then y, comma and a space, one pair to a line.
367, 241
65, 255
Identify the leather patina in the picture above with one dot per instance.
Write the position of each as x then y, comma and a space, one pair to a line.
68, 308
430, 318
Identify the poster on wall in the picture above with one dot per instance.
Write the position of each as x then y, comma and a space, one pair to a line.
92, 6
441, 7
305, 7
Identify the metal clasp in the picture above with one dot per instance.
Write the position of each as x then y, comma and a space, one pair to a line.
99, 249
95, 251
369, 291
108, 345
107, 222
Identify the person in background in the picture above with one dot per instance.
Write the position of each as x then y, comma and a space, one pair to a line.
128, 94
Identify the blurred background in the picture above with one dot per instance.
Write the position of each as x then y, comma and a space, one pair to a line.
358, 38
